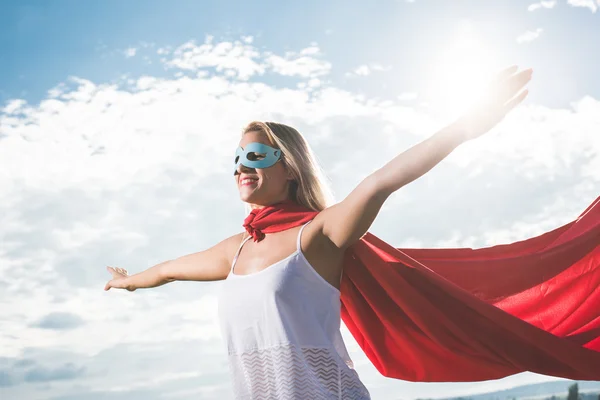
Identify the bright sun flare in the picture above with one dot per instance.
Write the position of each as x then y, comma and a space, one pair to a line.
460, 75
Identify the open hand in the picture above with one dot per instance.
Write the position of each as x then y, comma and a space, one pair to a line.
499, 98
118, 281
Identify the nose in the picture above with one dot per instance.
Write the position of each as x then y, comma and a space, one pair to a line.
242, 168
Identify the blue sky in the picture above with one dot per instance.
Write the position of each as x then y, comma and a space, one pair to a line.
43, 42
106, 107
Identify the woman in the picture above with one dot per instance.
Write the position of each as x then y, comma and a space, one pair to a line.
280, 305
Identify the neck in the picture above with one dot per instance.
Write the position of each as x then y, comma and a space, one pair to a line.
254, 206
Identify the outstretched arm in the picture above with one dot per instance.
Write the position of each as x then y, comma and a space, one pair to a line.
211, 264
347, 221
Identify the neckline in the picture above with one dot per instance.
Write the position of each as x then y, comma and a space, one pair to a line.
272, 266
231, 273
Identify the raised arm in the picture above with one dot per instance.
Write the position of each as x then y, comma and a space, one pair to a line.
347, 221
211, 264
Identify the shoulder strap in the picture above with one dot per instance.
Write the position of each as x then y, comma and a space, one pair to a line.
237, 253
300, 234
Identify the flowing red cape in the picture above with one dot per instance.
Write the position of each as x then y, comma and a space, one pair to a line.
454, 315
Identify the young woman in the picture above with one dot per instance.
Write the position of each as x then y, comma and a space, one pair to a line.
279, 307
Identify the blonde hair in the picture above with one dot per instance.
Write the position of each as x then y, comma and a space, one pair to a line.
310, 186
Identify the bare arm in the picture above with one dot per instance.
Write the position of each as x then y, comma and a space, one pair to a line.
347, 221
419, 159
152, 277
212, 264
208, 265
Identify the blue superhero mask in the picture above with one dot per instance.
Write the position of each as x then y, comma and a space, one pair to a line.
256, 155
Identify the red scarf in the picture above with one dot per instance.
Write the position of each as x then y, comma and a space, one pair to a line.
454, 315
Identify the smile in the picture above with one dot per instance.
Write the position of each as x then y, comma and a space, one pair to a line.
248, 182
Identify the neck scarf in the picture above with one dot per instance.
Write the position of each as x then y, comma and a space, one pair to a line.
275, 218
462, 314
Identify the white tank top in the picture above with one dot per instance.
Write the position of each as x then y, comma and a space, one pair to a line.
282, 330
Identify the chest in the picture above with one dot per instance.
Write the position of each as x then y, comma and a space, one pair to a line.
320, 253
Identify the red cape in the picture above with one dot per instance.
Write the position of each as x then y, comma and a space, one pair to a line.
453, 315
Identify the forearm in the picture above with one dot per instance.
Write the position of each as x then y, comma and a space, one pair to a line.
152, 277
419, 159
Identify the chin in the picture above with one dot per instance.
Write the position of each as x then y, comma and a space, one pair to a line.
248, 198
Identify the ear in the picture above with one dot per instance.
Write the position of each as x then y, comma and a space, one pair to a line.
289, 175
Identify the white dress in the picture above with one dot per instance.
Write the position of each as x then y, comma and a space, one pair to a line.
282, 330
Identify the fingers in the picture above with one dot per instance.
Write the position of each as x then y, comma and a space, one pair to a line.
115, 283
514, 102
118, 270
117, 273
507, 89
505, 73
519, 80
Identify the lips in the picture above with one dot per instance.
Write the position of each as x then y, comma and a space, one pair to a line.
249, 182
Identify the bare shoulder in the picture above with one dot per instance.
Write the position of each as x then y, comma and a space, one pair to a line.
230, 245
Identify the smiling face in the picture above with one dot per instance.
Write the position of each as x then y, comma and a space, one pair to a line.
269, 185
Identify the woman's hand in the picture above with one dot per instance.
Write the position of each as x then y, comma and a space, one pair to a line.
500, 97
119, 279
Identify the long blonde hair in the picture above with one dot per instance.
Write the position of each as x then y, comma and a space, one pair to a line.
310, 187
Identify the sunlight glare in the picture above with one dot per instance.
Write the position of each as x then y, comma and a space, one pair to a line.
460, 75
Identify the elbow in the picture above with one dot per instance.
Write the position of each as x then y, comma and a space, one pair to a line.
382, 185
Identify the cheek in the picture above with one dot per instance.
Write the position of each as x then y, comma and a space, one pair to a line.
268, 178
272, 175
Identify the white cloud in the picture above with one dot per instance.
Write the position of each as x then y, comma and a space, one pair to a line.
130, 52
164, 50
529, 36
590, 4
237, 57
128, 174
362, 70
542, 4
365, 70
243, 61
407, 96
14, 106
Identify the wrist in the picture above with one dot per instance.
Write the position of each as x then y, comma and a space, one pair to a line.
462, 129
129, 284
456, 133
